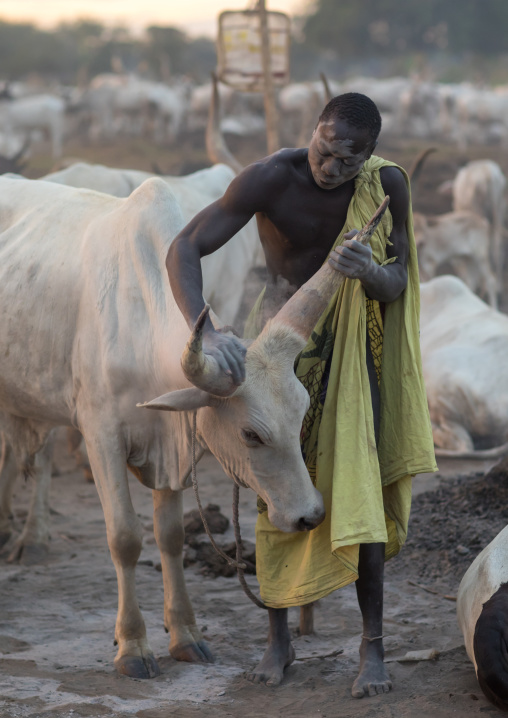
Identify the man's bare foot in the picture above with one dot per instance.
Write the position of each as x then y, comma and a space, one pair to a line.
373, 677
270, 670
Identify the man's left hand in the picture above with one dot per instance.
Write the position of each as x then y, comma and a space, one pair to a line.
352, 259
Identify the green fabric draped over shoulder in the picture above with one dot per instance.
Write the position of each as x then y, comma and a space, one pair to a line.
366, 489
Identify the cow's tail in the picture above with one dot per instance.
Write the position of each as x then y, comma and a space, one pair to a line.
495, 453
490, 645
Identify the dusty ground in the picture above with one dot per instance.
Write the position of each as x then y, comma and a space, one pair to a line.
57, 621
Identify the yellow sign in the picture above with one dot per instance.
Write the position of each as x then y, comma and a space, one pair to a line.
239, 49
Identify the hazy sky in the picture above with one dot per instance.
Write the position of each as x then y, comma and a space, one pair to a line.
196, 16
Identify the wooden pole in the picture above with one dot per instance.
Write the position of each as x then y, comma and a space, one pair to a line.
272, 134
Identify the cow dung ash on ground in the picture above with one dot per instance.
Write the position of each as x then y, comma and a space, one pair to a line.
449, 527
199, 550
193, 524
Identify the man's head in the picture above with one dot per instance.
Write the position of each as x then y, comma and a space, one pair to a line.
345, 137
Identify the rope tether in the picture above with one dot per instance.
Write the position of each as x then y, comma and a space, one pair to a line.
238, 564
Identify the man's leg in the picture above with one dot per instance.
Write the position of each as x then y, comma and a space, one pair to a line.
279, 653
373, 677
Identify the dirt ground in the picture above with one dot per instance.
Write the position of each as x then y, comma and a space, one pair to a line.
57, 620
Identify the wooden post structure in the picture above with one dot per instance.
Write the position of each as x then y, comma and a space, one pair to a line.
272, 134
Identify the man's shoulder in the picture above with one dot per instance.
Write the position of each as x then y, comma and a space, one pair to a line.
273, 173
393, 179
262, 181
279, 163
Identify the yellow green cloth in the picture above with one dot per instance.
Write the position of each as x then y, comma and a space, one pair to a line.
366, 490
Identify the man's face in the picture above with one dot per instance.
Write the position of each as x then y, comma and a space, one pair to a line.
337, 152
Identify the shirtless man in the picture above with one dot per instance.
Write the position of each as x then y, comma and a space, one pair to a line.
300, 198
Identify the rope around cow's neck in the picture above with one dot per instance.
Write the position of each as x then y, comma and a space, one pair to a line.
238, 564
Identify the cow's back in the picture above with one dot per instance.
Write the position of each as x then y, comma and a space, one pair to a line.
80, 281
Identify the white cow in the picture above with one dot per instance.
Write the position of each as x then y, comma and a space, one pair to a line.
89, 328
199, 103
482, 117
36, 112
464, 345
224, 274
170, 106
420, 111
126, 104
194, 192
482, 611
480, 187
456, 243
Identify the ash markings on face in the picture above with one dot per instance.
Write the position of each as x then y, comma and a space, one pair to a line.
337, 153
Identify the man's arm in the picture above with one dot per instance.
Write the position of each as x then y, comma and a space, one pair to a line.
354, 260
206, 232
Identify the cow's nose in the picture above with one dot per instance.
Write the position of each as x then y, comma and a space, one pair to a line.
304, 524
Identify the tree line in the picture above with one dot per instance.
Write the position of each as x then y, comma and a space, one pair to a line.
75, 52
352, 28
333, 35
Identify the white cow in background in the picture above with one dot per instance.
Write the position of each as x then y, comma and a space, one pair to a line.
480, 187
128, 105
89, 329
464, 345
199, 104
43, 113
386, 93
457, 243
420, 111
482, 611
482, 117
300, 104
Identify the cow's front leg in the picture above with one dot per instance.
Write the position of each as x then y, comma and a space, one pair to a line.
32, 546
124, 532
8, 474
186, 641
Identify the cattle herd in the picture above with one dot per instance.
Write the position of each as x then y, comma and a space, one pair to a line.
89, 329
114, 105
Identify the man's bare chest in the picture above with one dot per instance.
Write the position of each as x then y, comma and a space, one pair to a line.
300, 221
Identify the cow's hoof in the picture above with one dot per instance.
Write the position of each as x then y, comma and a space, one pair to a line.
34, 554
138, 666
29, 554
192, 652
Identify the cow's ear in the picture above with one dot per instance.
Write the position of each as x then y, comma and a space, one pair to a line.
181, 400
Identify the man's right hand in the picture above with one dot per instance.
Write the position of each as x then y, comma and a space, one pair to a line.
228, 352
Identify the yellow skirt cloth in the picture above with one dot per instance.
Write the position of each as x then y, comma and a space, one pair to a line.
366, 490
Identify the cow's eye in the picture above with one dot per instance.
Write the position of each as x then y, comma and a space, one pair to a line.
251, 438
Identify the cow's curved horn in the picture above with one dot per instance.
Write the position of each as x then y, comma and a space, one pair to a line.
202, 369
305, 307
326, 87
415, 170
216, 147
26, 144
